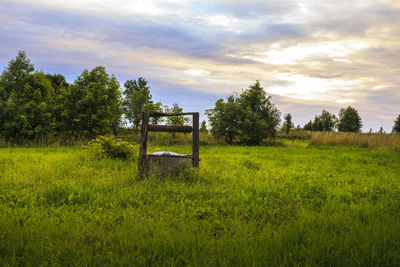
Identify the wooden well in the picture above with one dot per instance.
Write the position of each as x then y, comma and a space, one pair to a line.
166, 164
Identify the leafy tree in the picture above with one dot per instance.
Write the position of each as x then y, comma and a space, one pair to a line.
137, 98
349, 120
247, 119
288, 123
58, 82
155, 106
224, 119
14, 125
60, 86
27, 101
14, 76
325, 122
93, 103
203, 127
396, 126
381, 130
175, 120
308, 126
259, 117
37, 100
328, 121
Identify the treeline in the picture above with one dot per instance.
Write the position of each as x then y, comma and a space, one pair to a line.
34, 104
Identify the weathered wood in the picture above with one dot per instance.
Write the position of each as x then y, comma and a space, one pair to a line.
143, 144
169, 128
196, 141
162, 114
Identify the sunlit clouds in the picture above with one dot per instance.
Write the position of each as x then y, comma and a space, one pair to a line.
309, 55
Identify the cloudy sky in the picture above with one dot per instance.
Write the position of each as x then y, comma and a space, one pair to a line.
308, 55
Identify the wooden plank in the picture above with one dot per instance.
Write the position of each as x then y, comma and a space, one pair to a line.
169, 128
196, 141
143, 144
161, 114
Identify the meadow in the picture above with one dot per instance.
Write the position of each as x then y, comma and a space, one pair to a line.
245, 206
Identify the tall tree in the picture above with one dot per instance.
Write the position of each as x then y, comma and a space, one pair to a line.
136, 98
93, 103
247, 119
288, 123
27, 100
14, 76
349, 120
396, 126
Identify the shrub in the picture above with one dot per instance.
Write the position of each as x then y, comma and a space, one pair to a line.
113, 148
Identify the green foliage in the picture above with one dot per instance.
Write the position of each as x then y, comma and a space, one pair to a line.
224, 120
246, 119
396, 126
349, 120
93, 104
308, 126
137, 99
175, 120
288, 125
203, 127
325, 122
13, 77
245, 206
26, 110
113, 148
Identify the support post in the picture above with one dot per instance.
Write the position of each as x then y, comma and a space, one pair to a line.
195, 145
143, 144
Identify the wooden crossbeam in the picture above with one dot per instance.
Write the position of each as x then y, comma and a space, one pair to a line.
169, 128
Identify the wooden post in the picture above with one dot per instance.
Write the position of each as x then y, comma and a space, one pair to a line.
143, 143
195, 145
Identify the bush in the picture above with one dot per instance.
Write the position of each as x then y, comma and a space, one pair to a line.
113, 148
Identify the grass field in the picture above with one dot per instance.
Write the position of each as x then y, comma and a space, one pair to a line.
246, 206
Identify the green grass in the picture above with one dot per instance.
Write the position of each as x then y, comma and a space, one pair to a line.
246, 206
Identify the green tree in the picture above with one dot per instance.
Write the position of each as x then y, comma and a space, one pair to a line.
247, 119
349, 120
325, 122
93, 104
60, 85
203, 127
14, 76
37, 100
27, 101
137, 99
288, 123
396, 126
175, 120
224, 119
308, 126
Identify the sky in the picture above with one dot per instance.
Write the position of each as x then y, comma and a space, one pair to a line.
308, 55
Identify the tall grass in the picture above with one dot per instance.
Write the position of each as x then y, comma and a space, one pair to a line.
245, 206
387, 141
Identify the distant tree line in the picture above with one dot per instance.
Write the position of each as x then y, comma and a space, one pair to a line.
34, 104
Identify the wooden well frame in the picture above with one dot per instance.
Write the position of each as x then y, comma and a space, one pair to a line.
146, 128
